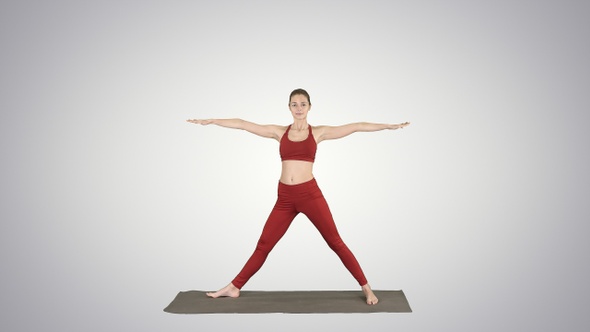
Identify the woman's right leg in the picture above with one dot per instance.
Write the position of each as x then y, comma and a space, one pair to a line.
276, 226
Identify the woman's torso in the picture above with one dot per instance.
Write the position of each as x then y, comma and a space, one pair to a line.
297, 171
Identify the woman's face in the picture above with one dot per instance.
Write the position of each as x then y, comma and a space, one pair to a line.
299, 106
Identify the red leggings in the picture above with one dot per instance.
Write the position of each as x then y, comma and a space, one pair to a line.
292, 199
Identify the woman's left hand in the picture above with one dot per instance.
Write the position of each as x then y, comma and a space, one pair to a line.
399, 126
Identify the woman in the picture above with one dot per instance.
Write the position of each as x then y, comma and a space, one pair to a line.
298, 190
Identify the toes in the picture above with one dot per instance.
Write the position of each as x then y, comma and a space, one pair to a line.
372, 301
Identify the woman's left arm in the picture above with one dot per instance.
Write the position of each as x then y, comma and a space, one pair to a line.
335, 132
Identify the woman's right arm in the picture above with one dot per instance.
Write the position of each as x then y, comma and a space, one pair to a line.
268, 131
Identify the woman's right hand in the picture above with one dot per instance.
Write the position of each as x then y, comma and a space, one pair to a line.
201, 122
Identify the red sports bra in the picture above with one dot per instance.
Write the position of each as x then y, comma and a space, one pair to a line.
302, 150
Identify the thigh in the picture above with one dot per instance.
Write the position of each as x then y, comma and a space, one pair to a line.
318, 212
276, 225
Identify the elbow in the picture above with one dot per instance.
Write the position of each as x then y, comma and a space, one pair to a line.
363, 126
240, 124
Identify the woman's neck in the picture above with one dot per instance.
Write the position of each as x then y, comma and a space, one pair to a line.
299, 125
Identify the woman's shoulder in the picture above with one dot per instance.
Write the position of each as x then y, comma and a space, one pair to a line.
318, 129
281, 130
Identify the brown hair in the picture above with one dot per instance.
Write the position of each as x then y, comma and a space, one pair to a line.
299, 92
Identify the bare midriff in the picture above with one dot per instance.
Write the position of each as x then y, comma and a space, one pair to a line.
296, 172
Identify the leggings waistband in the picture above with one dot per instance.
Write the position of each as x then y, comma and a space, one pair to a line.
300, 187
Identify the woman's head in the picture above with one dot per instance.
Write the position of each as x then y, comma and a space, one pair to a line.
299, 104
300, 92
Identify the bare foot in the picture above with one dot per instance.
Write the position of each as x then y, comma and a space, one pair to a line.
371, 298
227, 291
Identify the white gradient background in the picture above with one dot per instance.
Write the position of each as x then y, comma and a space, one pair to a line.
111, 203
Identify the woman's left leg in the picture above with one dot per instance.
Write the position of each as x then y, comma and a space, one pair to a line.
317, 210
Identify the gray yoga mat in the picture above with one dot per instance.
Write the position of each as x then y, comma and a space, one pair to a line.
295, 302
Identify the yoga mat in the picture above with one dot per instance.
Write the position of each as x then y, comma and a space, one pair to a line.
294, 302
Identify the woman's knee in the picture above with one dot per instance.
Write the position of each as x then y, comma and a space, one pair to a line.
336, 244
264, 247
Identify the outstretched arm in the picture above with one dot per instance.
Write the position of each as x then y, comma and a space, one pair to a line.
335, 132
268, 131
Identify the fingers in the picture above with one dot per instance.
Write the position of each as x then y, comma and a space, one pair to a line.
399, 125
197, 121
